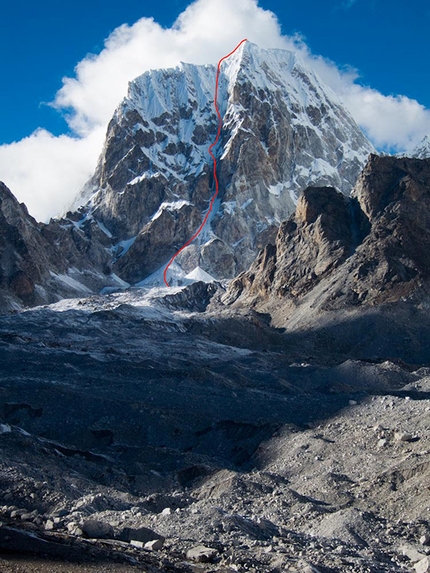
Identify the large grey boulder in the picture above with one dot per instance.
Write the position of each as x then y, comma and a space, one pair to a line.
97, 529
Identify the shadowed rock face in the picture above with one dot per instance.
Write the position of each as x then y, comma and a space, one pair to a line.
158, 241
25, 256
44, 263
370, 248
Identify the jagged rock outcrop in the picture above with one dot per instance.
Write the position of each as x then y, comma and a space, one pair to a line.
369, 249
158, 241
25, 256
282, 130
43, 263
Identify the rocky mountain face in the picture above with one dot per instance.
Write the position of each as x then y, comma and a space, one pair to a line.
371, 247
282, 130
23, 251
41, 264
351, 274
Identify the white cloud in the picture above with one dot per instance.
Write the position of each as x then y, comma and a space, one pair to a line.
392, 123
46, 171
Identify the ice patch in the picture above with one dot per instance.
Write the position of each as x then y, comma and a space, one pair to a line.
156, 279
70, 282
198, 274
234, 245
124, 246
321, 168
104, 229
247, 203
293, 196
229, 207
111, 289
118, 280
5, 429
277, 189
173, 206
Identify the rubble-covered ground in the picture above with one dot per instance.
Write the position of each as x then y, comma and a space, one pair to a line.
138, 433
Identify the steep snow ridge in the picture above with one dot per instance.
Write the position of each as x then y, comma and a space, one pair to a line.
141, 178
160, 91
276, 70
174, 91
282, 71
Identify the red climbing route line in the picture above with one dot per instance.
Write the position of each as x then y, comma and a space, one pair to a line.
211, 204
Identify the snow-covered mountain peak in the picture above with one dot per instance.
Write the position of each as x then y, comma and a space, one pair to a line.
422, 150
283, 130
162, 91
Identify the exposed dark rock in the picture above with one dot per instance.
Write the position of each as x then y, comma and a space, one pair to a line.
97, 529
373, 247
194, 297
202, 554
142, 534
25, 256
157, 242
43, 263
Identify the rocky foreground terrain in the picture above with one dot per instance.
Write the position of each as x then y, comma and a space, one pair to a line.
122, 426
276, 423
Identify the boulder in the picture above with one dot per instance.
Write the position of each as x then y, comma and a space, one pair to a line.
423, 566
97, 529
308, 568
142, 534
74, 529
49, 525
403, 437
202, 554
154, 545
411, 553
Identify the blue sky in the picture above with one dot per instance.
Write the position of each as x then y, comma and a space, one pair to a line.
81, 54
385, 40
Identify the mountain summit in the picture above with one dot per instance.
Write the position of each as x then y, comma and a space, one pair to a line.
283, 129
